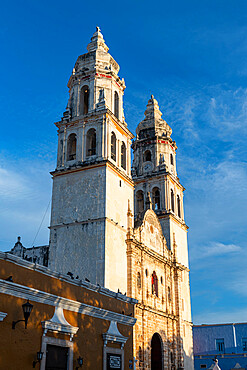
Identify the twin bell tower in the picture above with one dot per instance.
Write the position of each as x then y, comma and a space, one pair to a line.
94, 193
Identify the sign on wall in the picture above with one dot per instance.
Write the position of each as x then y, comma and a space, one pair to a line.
114, 361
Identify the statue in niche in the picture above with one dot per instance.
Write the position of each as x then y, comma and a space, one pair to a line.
162, 158
101, 95
139, 281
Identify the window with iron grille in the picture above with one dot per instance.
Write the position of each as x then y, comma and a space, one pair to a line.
220, 345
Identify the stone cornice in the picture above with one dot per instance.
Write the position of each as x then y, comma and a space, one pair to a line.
39, 296
86, 165
157, 311
46, 271
155, 139
86, 222
93, 116
122, 125
170, 214
152, 254
160, 174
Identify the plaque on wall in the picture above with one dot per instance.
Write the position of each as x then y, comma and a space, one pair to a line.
114, 361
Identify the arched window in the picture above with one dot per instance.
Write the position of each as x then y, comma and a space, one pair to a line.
154, 283
71, 147
171, 159
147, 156
172, 200
139, 201
113, 146
116, 104
84, 100
178, 202
91, 142
123, 156
156, 198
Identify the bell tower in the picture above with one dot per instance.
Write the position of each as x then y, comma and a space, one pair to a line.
157, 248
92, 181
154, 171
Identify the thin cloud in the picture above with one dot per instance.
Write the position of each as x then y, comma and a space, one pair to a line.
12, 185
227, 111
215, 249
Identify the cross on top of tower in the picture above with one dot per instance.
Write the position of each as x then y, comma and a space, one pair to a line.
97, 42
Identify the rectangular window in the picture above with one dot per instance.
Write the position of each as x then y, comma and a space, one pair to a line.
114, 361
56, 357
220, 345
203, 366
244, 344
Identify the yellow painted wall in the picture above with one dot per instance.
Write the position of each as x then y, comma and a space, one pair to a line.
18, 347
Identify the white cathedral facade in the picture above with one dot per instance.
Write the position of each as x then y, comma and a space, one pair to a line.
118, 227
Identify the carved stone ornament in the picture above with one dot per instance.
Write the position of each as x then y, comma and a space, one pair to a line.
58, 324
113, 335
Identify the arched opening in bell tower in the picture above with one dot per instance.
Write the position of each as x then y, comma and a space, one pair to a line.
113, 146
147, 156
139, 201
116, 104
71, 147
172, 201
91, 142
178, 204
171, 159
84, 100
156, 352
156, 198
123, 156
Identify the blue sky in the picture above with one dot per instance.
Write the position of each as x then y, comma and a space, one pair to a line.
192, 56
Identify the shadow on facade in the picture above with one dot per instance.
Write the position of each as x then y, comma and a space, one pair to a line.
163, 354
21, 345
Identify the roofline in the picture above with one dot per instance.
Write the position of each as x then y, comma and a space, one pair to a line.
208, 325
46, 271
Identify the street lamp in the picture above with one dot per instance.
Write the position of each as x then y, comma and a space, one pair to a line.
80, 362
39, 358
27, 309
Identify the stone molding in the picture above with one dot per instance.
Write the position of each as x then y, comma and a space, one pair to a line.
60, 343
39, 296
58, 324
113, 335
46, 271
133, 244
2, 315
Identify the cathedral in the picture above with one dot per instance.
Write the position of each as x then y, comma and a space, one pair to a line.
119, 226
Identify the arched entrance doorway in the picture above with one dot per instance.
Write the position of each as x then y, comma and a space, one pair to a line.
156, 353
